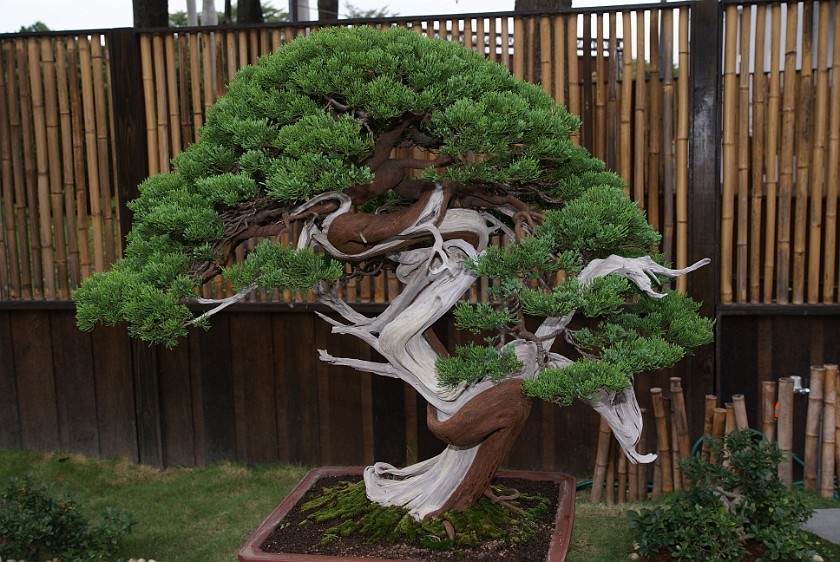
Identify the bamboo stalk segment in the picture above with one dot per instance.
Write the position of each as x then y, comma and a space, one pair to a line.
675, 448
803, 155
530, 56
662, 439
79, 178
641, 488
829, 442
654, 151
668, 135
625, 161
759, 114
812, 427
600, 132
832, 177
785, 430
730, 176
708, 420
149, 103
518, 69
559, 61
102, 146
172, 96
161, 104
743, 137
622, 476
740, 407
609, 488
601, 461
771, 155
574, 75
789, 117
7, 189
718, 431
683, 443
681, 141
768, 410
183, 92
612, 96
195, 85
545, 54
639, 113
731, 423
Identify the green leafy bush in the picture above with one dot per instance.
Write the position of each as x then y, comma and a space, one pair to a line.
728, 508
36, 526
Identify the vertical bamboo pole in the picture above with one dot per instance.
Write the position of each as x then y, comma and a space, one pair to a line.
7, 186
718, 431
195, 85
668, 135
675, 447
756, 165
743, 137
600, 131
803, 144
655, 125
612, 96
94, 193
827, 465
219, 59
172, 95
784, 428
609, 489
79, 179
625, 143
601, 460
656, 489
731, 423
183, 91
480, 37
149, 97
741, 421
162, 111
639, 148
681, 163
29, 168
66, 131
812, 427
789, 117
519, 48
622, 477
57, 225
530, 55
42, 163
545, 54
730, 114
683, 442
207, 73
771, 155
574, 75
641, 488
708, 420
818, 160
832, 177
506, 41
662, 439
559, 61
103, 146
768, 410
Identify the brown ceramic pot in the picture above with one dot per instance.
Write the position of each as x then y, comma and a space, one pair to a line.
557, 550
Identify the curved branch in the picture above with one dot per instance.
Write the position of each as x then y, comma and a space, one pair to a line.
221, 304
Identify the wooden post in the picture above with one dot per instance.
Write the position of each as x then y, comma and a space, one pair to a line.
785, 429
829, 444
662, 439
812, 427
768, 410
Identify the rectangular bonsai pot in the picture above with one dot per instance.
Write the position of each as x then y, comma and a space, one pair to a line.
559, 546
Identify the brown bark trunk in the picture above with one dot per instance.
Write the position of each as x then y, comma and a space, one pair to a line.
494, 419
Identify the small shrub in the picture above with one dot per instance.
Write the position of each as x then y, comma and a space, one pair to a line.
728, 508
36, 526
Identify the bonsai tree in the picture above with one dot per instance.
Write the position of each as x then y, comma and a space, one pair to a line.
309, 136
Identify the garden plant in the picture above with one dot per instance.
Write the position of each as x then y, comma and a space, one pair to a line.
325, 135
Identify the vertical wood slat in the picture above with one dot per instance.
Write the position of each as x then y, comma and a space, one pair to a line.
802, 144
727, 215
832, 179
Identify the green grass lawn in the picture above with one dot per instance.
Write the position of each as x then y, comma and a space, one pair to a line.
205, 514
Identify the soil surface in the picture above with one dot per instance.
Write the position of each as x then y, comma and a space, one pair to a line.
305, 539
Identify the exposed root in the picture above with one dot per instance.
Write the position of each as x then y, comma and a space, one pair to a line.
510, 495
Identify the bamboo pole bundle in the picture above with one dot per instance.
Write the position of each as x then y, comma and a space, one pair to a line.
789, 116
639, 148
7, 189
743, 137
832, 178
161, 105
172, 96
718, 431
601, 460
829, 443
195, 85
149, 103
784, 428
79, 179
29, 168
559, 61
768, 410
771, 155
54, 164
817, 165
600, 146
740, 406
574, 75
759, 116
662, 439
518, 69
668, 135
708, 419
655, 125
66, 143
681, 187
730, 113
812, 427
545, 54
625, 160
94, 193
103, 146
42, 199
803, 155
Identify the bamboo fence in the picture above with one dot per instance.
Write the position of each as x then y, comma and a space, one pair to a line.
616, 69
780, 153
